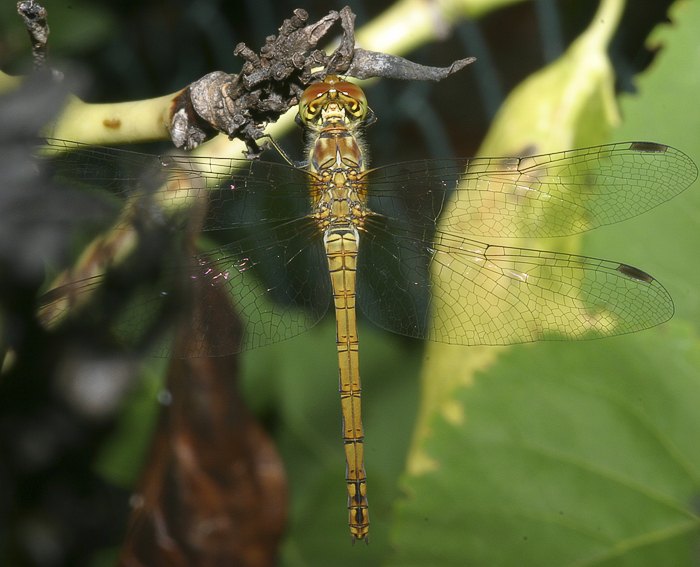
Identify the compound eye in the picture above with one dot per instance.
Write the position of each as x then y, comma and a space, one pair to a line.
353, 97
311, 100
318, 96
350, 90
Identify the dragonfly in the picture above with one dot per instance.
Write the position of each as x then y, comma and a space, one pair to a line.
411, 244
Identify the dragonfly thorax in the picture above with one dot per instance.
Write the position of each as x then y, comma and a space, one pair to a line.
339, 198
332, 112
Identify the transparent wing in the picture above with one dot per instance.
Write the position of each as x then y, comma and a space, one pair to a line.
276, 282
237, 191
494, 295
540, 196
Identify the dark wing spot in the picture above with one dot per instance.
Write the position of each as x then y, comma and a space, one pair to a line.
634, 273
651, 147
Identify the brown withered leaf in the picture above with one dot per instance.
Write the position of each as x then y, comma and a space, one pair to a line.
213, 492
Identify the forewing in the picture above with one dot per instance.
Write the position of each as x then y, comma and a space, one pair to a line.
235, 191
540, 196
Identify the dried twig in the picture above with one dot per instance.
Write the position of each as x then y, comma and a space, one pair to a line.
34, 17
272, 80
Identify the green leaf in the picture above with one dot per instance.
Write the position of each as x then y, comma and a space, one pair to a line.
566, 454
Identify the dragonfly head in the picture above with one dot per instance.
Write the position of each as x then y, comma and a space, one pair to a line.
332, 100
